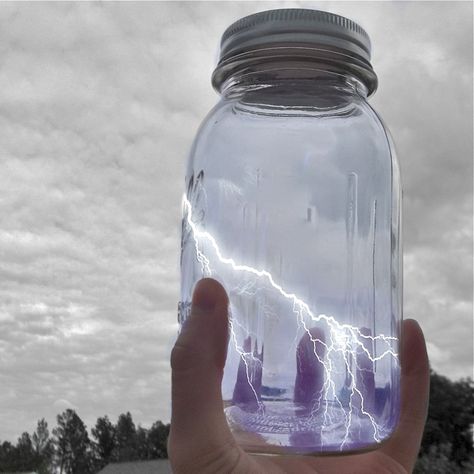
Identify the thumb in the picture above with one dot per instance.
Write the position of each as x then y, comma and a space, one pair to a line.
404, 444
199, 430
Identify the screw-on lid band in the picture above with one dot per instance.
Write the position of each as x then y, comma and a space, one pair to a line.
295, 25
295, 32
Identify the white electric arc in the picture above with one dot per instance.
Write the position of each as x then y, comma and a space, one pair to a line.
344, 338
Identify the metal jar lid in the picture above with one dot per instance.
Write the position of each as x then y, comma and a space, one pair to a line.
298, 28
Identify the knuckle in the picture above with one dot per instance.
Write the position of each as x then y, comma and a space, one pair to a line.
183, 358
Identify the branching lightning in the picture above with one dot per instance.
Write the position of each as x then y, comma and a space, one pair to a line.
345, 339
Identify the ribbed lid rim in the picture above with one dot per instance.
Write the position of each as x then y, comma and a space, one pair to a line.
311, 25
295, 14
292, 33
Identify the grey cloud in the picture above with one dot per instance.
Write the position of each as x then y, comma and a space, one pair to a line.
100, 104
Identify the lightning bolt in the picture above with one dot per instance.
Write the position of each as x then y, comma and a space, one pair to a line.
345, 339
246, 356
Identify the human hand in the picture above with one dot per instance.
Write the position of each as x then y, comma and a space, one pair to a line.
200, 440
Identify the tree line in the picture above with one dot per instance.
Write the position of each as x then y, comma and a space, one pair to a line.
448, 439
447, 445
69, 449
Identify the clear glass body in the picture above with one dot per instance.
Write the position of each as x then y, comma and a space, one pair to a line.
292, 202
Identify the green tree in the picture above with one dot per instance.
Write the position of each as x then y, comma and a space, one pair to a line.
104, 433
157, 440
72, 444
42, 447
7, 457
143, 446
17, 458
436, 461
126, 433
25, 453
450, 419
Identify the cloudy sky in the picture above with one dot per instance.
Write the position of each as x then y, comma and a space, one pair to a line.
99, 104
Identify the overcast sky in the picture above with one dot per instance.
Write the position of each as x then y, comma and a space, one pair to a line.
99, 104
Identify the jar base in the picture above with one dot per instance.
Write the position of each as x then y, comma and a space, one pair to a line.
285, 427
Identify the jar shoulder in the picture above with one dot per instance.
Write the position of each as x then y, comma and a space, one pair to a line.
235, 126
237, 119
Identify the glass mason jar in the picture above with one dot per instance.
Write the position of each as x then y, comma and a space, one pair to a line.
292, 202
